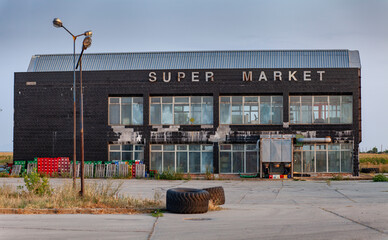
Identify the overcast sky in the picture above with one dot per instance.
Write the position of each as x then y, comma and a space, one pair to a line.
178, 25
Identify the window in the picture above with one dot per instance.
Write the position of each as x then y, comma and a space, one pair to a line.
321, 109
122, 152
125, 111
181, 110
193, 158
238, 158
318, 158
251, 110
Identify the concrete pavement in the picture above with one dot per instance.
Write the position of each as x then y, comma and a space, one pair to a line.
254, 210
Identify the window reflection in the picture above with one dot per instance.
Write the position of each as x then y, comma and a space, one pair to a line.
321, 109
181, 110
191, 158
125, 111
332, 158
238, 158
251, 110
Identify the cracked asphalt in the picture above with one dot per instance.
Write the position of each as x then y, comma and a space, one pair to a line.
254, 210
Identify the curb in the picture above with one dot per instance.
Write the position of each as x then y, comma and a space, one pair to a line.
70, 211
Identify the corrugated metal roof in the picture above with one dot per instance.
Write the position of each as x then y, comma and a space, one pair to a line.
199, 60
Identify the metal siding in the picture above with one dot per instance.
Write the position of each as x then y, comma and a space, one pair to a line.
200, 60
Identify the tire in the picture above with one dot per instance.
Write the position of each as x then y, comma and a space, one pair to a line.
370, 170
217, 195
187, 200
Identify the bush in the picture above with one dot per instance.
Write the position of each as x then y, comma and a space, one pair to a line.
380, 178
37, 184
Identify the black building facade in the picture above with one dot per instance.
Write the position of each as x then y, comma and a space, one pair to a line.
223, 112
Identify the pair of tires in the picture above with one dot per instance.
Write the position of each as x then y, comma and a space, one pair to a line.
191, 200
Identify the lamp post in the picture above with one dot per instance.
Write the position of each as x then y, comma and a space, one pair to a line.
85, 44
58, 24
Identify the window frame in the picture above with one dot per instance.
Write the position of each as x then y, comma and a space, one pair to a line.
329, 110
232, 151
341, 149
133, 151
120, 104
178, 103
259, 104
201, 150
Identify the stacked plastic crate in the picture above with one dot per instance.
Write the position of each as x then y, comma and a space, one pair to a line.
63, 165
22, 165
48, 165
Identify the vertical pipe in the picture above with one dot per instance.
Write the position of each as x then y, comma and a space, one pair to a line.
82, 129
74, 120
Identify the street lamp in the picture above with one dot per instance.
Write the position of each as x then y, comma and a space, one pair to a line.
85, 44
58, 24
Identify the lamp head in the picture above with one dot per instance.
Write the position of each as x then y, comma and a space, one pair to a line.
87, 43
57, 22
88, 33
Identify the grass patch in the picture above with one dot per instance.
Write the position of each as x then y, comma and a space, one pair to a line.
214, 207
6, 157
373, 158
105, 195
380, 178
157, 213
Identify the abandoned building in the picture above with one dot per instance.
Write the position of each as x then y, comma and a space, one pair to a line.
295, 112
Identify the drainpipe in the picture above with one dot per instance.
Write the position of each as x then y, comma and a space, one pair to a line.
258, 155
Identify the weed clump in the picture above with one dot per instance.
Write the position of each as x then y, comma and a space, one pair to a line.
170, 175
337, 178
380, 178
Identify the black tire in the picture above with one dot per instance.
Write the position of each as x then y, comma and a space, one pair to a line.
217, 195
370, 170
187, 200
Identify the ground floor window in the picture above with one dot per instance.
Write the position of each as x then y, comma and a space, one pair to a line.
331, 158
238, 158
185, 158
123, 152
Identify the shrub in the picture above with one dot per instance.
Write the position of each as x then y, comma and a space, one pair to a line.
380, 178
209, 175
37, 184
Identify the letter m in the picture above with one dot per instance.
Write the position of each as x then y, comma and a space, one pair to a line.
246, 77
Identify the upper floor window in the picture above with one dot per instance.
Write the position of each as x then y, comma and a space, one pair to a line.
125, 111
251, 110
181, 110
321, 109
